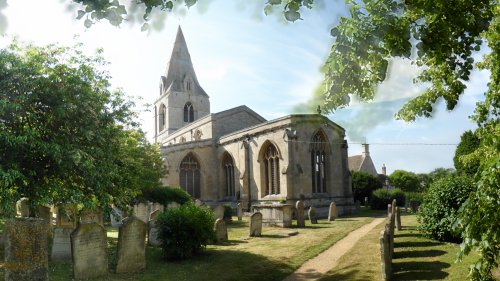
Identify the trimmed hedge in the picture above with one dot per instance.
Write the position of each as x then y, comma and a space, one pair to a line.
165, 195
382, 197
185, 231
438, 211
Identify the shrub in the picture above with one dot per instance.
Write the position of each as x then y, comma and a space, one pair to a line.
416, 197
406, 181
438, 211
185, 231
363, 184
382, 197
165, 195
228, 212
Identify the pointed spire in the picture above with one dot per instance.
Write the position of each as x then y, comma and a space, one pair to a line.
180, 67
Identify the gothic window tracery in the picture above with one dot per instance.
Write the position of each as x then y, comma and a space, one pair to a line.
228, 165
162, 117
188, 112
190, 176
319, 155
271, 167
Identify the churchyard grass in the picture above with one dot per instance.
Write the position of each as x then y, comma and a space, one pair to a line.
415, 257
270, 257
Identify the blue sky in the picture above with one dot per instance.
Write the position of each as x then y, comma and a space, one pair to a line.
242, 56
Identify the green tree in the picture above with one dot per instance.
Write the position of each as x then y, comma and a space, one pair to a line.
363, 184
469, 142
406, 181
64, 136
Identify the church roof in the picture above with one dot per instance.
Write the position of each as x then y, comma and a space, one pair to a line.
180, 67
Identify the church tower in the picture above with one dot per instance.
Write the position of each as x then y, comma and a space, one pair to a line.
182, 100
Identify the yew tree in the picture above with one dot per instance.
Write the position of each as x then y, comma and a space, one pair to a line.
65, 137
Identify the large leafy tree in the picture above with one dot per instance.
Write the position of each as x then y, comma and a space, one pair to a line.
445, 34
363, 184
469, 142
64, 136
404, 180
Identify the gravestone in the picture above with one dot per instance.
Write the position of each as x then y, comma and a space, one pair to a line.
116, 217
312, 215
23, 208
89, 251
141, 211
44, 213
131, 249
219, 212
393, 206
220, 230
299, 206
66, 216
398, 218
385, 255
240, 212
389, 209
61, 244
366, 202
26, 257
198, 202
157, 206
333, 212
256, 224
91, 216
153, 230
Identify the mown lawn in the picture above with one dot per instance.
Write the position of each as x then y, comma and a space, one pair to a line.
415, 258
270, 257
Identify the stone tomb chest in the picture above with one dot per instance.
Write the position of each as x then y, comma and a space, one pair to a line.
275, 214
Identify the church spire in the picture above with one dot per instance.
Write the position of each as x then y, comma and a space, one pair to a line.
179, 74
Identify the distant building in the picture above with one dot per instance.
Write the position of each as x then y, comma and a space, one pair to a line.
363, 162
238, 156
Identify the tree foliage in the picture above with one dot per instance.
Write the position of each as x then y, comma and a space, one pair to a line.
469, 142
64, 136
404, 180
363, 184
438, 212
382, 197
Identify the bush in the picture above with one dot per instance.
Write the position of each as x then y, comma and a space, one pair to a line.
416, 197
438, 211
165, 195
382, 197
363, 184
228, 212
406, 181
185, 231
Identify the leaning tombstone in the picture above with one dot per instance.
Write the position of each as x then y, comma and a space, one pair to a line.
116, 217
398, 218
141, 211
389, 209
153, 229
312, 215
299, 206
89, 251
220, 231
385, 256
131, 249
240, 212
66, 216
333, 213
26, 256
44, 213
219, 212
256, 224
61, 244
393, 206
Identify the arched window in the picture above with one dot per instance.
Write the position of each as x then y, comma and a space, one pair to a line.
228, 165
319, 149
188, 112
271, 167
189, 177
162, 117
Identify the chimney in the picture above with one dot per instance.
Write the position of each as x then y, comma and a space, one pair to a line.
366, 150
384, 170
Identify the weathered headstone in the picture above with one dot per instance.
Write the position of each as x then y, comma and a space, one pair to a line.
366, 202
389, 209
398, 218
312, 215
26, 257
256, 224
141, 211
23, 208
385, 256
153, 230
61, 244
44, 213
91, 216
66, 216
88, 251
157, 206
116, 217
220, 230
333, 212
299, 206
131, 249
393, 206
219, 212
240, 212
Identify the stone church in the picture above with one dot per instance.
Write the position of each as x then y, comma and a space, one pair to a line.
238, 156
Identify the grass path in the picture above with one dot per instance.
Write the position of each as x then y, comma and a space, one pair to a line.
316, 267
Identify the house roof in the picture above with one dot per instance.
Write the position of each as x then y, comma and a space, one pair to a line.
355, 162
